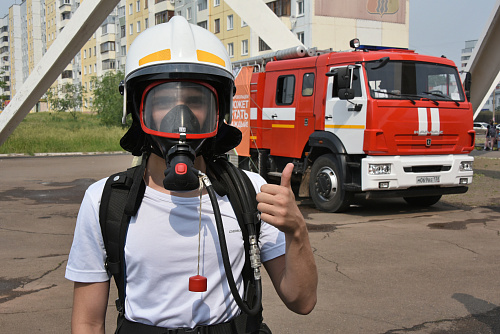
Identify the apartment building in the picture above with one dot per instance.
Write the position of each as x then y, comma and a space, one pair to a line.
99, 54
15, 48
325, 24
4, 58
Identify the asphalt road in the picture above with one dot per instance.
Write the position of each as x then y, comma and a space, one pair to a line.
384, 267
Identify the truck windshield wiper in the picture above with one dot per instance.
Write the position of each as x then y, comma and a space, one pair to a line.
410, 97
406, 96
441, 95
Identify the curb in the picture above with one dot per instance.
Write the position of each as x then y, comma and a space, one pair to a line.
60, 154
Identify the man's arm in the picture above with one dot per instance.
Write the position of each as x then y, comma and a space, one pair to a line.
294, 275
90, 301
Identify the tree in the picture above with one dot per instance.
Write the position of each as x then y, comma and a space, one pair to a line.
107, 101
3, 85
68, 97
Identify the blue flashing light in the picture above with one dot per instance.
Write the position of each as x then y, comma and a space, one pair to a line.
377, 48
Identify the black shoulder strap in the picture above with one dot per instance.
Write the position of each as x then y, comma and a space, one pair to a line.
229, 180
121, 198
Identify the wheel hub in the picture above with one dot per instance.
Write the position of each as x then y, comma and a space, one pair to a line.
326, 183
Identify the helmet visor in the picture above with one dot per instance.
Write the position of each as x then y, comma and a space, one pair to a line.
172, 108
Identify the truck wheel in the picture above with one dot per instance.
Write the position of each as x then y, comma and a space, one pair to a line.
422, 201
326, 186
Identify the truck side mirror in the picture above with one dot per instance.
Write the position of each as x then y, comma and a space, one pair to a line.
346, 93
467, 85
343, 78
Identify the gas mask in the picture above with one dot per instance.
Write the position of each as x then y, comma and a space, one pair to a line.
179, 116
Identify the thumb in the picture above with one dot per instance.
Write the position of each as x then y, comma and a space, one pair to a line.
286, 176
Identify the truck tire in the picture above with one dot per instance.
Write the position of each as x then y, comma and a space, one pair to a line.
423, 200
326, 185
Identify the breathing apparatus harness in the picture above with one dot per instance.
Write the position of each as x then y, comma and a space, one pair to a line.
120, 201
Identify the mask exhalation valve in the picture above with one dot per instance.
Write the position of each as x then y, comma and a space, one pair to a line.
180, 173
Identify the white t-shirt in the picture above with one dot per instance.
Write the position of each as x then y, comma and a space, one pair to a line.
161, 254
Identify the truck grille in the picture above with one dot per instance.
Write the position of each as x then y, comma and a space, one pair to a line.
426, 169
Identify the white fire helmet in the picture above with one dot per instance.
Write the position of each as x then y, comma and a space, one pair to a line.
176, 57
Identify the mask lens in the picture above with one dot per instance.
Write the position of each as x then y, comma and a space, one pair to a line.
171, 108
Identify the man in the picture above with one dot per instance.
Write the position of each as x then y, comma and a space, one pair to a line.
178, 88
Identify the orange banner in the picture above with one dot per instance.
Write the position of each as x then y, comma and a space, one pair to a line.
241, 109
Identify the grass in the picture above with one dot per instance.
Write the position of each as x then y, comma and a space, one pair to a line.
48, 132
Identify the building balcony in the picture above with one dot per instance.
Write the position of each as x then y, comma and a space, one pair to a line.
108, 55
64, 5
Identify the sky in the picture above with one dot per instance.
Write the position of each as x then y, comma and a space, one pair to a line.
437, 27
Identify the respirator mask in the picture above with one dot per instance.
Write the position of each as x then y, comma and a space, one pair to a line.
179, 116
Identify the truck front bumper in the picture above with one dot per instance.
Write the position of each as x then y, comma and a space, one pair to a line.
415, 175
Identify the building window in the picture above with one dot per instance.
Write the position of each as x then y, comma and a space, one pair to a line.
243, 23
146, 23
84, 54
123, 32
67, 74
130, 9
230, 22
203, 24
300, 36
216, 26
216, 3
138, 26
230, 49
300, 7
145, 4
161, 17
202, 5
263, 46
280, 7
244, 47
188, 13
107, 46
123, 50
138, 6
109, 64
131, 29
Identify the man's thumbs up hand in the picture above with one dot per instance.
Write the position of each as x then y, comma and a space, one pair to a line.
277, 204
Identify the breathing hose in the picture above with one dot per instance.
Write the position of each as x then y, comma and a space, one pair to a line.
254, 250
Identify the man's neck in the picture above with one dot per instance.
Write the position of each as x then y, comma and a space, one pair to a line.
154, 176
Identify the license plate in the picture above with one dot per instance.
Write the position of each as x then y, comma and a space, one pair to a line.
427, 179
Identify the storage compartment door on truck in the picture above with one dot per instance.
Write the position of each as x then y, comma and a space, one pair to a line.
280, 112
347, 118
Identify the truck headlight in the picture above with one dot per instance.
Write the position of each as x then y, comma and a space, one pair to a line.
379, 169
466, 166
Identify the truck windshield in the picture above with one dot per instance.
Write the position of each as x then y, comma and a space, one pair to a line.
406, 79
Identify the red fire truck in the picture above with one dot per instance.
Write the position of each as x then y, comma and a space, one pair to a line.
386, 122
